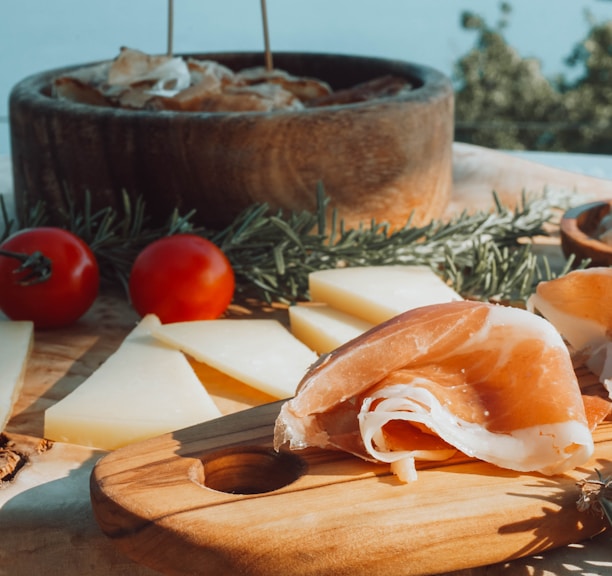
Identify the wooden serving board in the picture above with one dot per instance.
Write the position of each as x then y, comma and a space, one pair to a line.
46, 516
169, 504
216, 499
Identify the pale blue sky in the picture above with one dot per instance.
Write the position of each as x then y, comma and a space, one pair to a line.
36, 35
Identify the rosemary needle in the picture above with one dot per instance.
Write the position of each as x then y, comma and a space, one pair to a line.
482, 255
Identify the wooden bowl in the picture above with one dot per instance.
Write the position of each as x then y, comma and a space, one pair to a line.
383, 159
579, 227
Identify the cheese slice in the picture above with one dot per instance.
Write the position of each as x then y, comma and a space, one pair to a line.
16, 342
377, 293
324, 328
142, 390
230, 394
259, 352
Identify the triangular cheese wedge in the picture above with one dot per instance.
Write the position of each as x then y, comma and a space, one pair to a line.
142, 390
377, 293
16, 342
324, 328
259, 352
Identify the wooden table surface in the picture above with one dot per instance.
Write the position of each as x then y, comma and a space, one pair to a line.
46, 520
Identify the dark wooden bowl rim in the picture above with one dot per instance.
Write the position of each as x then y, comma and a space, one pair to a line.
340, 71
578, 226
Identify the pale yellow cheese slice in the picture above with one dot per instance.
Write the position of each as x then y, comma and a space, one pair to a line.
324, 328
377, 293
142, 390
259, 352
16, 341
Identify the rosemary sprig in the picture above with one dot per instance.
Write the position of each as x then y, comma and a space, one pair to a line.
115, 239
481, 254
596, 496
506, 273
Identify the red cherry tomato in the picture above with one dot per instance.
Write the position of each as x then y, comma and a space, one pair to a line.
180, 278
65, 295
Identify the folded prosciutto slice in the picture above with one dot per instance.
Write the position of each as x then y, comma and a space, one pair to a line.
493, 382
578, 305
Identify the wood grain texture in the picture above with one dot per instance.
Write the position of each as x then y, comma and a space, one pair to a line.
381, 159
340, 516
477, 171
579, 228
46, 517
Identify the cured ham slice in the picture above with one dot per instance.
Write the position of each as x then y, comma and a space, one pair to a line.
493, 382
578, 305
136, 80
156, 73
301, 87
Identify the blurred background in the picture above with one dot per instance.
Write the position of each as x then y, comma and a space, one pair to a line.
529, 74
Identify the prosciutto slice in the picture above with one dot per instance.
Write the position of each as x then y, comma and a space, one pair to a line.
493, 382
578, 305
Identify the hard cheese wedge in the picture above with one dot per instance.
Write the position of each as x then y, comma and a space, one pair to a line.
16, 341
377, 293
324, 328
261, 353
142, 390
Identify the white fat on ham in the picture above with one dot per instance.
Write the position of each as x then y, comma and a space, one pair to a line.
261, 353
587, 337
16, 341
144, 389
524, 449
377, 293
577, 304
581, 333
167, 75
493, 382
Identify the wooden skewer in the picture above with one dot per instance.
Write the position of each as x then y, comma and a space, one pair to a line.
264, 17
170, 26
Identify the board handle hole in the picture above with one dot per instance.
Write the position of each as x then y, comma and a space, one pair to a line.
251, 470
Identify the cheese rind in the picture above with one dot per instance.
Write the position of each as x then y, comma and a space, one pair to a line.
324, 328
259, 352
16, 343
377, 293
142, 390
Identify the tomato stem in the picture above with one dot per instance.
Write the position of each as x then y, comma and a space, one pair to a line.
36, 264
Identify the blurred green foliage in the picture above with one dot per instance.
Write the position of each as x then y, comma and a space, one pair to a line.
505, 101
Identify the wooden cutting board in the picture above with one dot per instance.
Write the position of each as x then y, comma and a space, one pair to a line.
216, 499
46, 517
